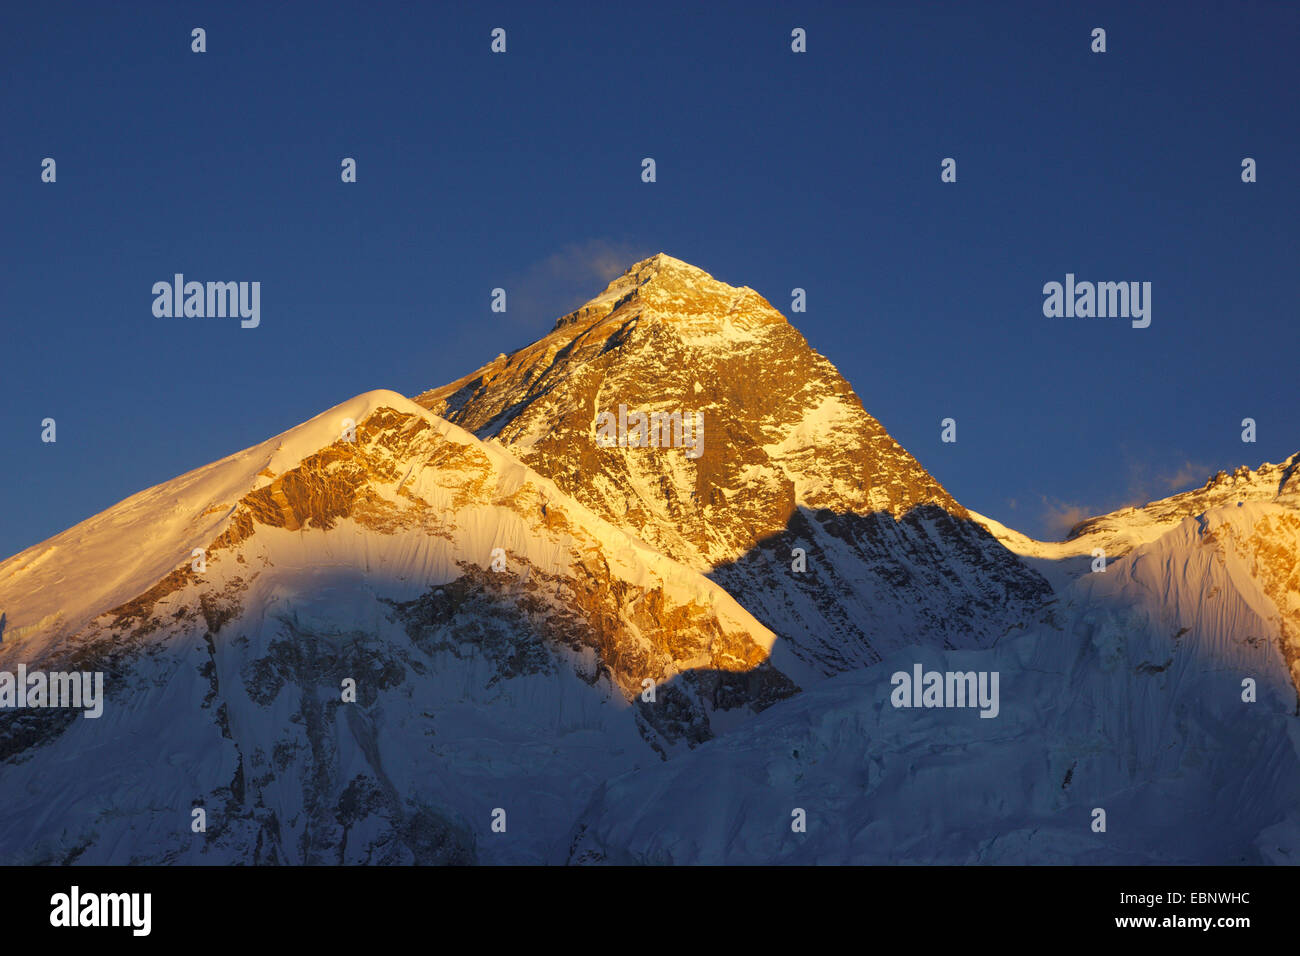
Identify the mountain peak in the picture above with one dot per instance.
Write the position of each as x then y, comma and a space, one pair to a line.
666, 288
786, 465
663, 262
662, 266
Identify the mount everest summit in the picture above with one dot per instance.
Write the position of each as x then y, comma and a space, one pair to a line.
461, 628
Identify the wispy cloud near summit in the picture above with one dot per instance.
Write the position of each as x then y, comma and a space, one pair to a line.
564, 280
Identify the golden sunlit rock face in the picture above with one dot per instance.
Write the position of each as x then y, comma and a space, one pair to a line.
790, 460
782, 427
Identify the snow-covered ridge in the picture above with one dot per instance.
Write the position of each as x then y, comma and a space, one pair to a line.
1160, 695
1131, 526
122, 551
498, 633
1119, 532
130, 547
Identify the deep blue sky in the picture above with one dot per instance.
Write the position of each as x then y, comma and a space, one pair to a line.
775, 170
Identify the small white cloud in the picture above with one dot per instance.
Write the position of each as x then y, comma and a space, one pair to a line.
1060, 516
564, 280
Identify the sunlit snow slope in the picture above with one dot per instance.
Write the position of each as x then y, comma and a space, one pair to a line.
329, 560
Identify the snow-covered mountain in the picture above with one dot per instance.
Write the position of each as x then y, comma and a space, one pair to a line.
790, 461
1135, 704
464, 628
328, 559
1250, 521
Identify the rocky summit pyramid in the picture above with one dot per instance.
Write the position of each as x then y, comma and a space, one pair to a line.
796, 500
